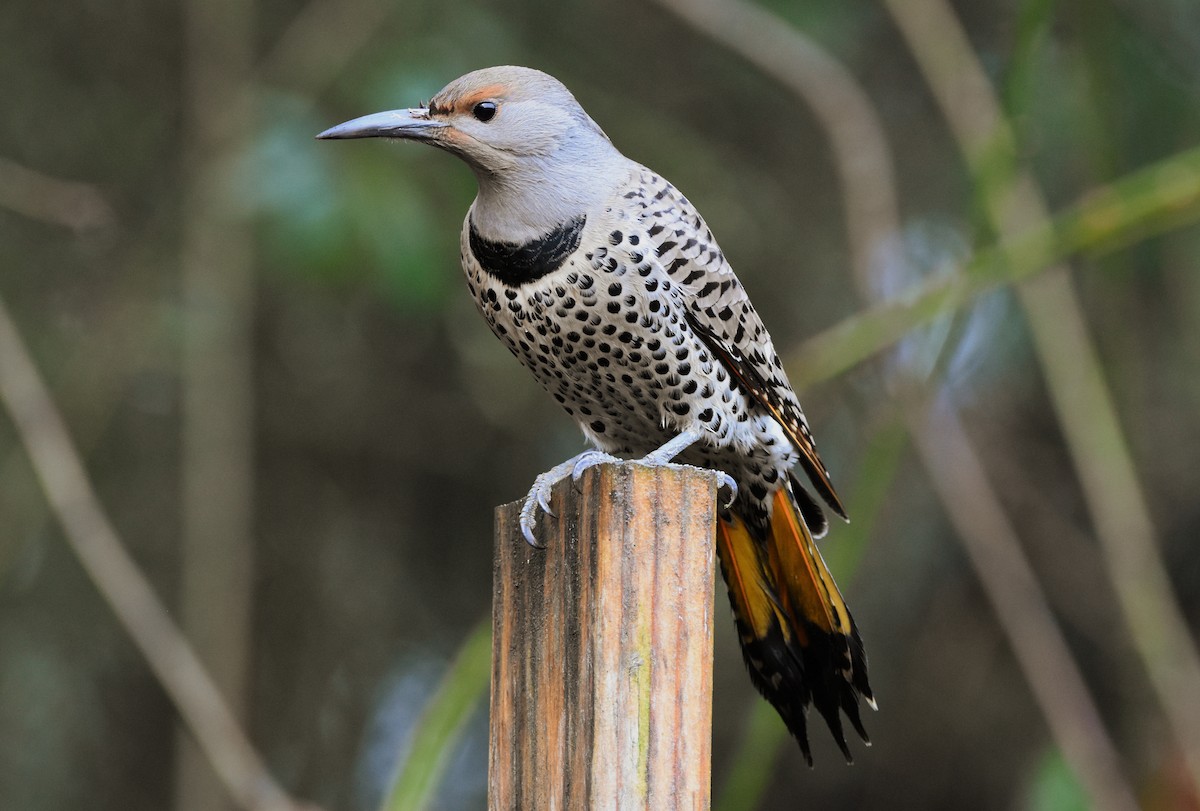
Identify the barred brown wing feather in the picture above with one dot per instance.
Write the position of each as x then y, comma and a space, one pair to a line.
749, 373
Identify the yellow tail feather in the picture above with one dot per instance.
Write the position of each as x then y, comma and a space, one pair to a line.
752, 594
809, 592
797, 636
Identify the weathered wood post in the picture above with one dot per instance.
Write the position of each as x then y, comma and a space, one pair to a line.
602, 646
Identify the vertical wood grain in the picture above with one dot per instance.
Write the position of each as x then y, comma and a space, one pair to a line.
602, 646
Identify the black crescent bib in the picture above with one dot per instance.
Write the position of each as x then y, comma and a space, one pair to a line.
515, 264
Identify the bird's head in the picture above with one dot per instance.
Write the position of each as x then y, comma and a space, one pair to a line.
539, 158
502, 120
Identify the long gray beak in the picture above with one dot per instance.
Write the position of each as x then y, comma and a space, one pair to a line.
413, 123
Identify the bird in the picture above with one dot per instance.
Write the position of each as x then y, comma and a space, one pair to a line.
607, 285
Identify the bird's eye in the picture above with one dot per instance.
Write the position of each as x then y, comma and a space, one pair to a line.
484, 110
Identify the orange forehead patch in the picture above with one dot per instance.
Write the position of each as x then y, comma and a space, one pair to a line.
467, 102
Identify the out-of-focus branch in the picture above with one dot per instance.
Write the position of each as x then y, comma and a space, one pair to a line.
960, 480
1162, 196
217, 375
320, 41
78, 206
853, 129
1072, 370
121, 583
843, 109
94, 386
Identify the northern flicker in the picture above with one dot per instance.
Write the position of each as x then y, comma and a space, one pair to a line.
607, 285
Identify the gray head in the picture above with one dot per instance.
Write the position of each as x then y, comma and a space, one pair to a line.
538, 156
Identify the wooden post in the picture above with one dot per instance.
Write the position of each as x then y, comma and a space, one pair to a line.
602, 646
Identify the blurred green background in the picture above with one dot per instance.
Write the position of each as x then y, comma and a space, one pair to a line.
299, 426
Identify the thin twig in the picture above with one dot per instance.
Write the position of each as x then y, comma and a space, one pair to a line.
1072, 370
120, 582
78, 206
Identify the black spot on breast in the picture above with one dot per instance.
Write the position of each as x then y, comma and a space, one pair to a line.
515, 264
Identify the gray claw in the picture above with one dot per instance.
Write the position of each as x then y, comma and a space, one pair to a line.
527, 524
590, 459
528, 520
543, 500
725, 480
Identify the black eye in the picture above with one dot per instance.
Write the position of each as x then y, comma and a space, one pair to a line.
484, 110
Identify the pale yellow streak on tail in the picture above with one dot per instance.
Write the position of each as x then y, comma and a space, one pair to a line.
808, 586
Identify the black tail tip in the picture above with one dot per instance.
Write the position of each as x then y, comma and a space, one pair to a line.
841, 742
806, 753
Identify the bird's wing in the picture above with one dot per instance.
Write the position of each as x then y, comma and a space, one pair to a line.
720, 313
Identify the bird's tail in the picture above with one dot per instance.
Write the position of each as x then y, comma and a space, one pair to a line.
798, 638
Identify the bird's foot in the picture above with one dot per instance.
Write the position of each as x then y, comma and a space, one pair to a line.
659, 458
590, 459
653, 460
539, 495
662, 458
724, 480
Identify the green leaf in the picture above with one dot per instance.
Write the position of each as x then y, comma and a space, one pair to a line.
879, 465
441, 725
754, 762
1055, 787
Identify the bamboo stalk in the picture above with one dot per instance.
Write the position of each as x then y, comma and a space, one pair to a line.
216, 371
602, 646
1072, 369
